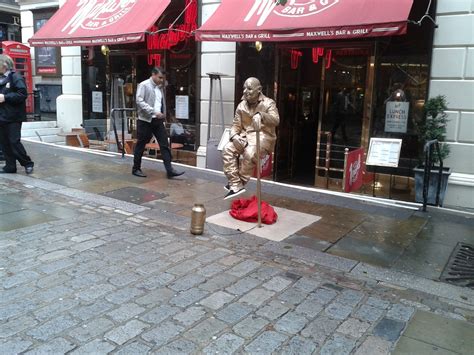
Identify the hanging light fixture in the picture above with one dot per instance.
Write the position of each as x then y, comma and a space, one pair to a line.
105, 49
258, 46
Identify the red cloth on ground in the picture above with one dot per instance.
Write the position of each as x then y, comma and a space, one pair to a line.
247, 210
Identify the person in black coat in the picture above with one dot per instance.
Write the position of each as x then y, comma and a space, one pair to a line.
13, 94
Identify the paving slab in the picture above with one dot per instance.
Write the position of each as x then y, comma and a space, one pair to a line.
408, 345
134, 195
370, 252
440, 332
8, 207
23, 218
289, 222
424, 257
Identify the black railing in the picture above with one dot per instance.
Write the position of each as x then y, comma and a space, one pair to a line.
429, 162
36, 104
120, 145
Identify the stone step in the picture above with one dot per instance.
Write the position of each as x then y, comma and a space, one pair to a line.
48, 139
39, 124
41, 131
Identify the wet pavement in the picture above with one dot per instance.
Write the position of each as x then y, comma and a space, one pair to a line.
95, 260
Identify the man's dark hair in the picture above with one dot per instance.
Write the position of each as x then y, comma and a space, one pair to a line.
158, 70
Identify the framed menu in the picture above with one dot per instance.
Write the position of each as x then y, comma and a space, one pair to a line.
384, 152
182, 107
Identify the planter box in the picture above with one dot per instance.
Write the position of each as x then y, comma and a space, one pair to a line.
433, 185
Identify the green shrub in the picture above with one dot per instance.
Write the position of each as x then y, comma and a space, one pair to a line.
434, 126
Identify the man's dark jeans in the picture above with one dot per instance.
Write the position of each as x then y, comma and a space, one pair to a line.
145, 131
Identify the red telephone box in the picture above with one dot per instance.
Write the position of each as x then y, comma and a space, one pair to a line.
22, 60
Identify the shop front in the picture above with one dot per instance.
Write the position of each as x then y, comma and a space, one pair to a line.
334, 68
120, 42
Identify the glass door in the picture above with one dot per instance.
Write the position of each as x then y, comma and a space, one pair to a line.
324, 96
344, 115
298, 100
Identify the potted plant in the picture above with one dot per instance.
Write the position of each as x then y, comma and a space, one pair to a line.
433, 127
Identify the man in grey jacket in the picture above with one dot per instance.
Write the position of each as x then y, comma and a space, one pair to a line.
151, 109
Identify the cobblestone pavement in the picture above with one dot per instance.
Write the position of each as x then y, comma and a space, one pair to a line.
114, 279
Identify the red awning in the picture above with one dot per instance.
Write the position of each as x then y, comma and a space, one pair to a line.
87, 23
297, 20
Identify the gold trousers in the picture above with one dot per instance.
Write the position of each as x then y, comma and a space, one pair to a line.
238, 171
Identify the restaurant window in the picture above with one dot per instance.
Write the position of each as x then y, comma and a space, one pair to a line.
94, 91
252, 62
47, 59
178, 55
130, 64
402, 77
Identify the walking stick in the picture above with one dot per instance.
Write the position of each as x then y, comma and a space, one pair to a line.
258, 182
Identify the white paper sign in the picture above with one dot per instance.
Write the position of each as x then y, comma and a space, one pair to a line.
396, 116
97, 101
182, 107
384, 152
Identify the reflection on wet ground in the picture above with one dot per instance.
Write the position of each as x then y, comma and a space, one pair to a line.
408, 241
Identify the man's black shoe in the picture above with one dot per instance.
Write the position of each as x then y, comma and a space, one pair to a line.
227, 187
138, 173
173, 173
232, 193
29, 169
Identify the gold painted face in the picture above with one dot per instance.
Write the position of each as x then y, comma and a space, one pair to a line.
252, 91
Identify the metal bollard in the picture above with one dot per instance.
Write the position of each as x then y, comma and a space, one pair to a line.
198, 217
37, 104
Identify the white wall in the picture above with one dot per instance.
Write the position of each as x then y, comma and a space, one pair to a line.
69, 104
27, 31
452, 75
215, 57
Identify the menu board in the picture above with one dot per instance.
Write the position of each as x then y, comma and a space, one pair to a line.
384, 152
97, 102
182, 107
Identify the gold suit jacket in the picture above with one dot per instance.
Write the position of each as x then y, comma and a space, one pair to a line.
242, 124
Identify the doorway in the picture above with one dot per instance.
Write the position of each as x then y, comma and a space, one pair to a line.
324, 99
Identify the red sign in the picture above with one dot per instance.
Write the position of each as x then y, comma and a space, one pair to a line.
41, 70
319, 52
175, 35
354, 170
266, 166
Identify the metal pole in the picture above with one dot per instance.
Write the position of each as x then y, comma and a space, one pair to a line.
37, 104
123, 137
328, 157
211, 82
222, 105
259, 192
426, 176
440, 174
390, 187
375, 181
344, 175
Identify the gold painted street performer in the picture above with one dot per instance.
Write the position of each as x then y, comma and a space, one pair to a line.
254, 112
